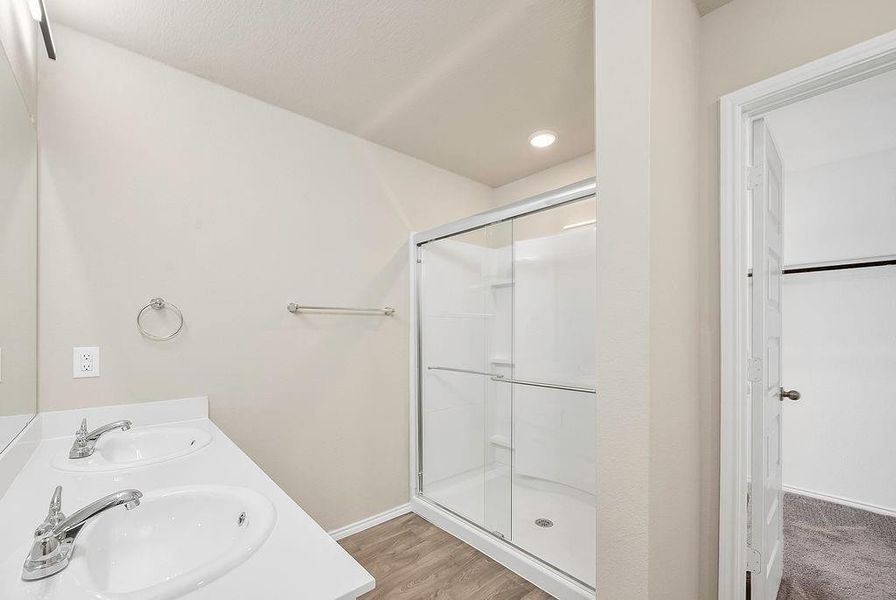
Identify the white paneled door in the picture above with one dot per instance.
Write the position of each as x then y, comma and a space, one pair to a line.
765, 382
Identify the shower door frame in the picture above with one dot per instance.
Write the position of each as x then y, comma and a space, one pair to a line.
528, 566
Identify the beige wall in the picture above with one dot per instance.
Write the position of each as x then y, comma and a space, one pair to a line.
741, 43
158, 183
622, 93
649, 439
555, 177
675, 508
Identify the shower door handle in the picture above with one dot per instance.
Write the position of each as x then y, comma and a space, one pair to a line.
453, 370
542, 384
501, 379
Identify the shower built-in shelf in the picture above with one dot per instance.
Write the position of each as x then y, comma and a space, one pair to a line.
501, 360
500, 440
490, 284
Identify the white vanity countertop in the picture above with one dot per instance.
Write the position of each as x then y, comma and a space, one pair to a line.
298, 561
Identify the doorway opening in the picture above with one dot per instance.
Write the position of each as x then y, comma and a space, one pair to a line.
808, 501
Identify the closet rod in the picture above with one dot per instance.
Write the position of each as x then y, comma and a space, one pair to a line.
837, 266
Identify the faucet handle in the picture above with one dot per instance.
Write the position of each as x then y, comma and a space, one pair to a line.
54, 514
56, 501
82, 431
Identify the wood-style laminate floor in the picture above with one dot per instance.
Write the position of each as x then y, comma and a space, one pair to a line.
414, 560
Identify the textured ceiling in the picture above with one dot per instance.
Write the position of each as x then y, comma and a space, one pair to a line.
707, 6
845, 123
458, 83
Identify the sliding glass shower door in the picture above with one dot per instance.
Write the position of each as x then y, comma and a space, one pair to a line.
554, 471
466, 301
507, 378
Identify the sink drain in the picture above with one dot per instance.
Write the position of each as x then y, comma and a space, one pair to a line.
544, 522
241, 520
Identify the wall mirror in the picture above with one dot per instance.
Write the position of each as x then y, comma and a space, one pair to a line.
18, 258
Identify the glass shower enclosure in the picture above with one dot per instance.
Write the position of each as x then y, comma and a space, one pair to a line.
506, 376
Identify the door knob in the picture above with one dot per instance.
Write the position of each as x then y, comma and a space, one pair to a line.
790, 394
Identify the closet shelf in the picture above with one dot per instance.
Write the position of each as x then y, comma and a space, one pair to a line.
838, 265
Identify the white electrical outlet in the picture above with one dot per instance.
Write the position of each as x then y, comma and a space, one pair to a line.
86, 362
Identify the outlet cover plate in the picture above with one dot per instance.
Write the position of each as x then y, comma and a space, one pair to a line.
85, 362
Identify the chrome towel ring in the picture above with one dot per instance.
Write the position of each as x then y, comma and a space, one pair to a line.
160, 304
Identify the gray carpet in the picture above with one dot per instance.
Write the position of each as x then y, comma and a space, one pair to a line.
833, 552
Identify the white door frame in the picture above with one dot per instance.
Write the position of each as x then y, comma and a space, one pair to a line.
737, 110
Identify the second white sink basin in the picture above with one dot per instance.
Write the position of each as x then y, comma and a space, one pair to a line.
177, 540
137, 447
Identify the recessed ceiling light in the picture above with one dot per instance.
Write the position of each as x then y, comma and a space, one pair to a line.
542, 138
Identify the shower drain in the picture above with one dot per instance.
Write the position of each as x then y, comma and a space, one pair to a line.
544, 522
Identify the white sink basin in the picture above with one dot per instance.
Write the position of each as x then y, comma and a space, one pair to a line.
136, 447
177, 540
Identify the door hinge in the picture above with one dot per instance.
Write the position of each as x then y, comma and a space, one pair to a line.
754, 560
754, 370
755, 177
419, 481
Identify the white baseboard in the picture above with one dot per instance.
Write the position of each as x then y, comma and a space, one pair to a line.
359, 526
889, 512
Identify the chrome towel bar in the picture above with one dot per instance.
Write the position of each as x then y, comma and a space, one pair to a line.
387, 311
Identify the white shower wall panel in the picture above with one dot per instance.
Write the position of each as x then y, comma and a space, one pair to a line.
456, 328
554, 325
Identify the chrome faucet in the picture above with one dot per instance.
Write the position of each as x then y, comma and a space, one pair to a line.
85, 442
54, 539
